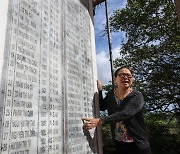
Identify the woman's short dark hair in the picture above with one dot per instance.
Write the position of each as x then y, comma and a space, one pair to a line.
116, 72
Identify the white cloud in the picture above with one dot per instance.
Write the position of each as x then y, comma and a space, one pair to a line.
116, 52
103, 65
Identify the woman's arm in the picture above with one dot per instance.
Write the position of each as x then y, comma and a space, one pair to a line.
133, 106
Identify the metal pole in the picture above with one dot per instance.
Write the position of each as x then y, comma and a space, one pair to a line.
109, 43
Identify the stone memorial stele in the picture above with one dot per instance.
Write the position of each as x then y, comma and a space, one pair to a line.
47, 76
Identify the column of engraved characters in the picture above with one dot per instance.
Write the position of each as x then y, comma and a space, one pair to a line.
50, 116
78, 73
56, 128
73, 78
26, 79
22, 77
44, 79
86, 65
10, 77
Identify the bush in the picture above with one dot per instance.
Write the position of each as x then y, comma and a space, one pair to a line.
161, 140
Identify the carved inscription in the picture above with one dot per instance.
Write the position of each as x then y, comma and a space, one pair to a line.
79, 74
49, 77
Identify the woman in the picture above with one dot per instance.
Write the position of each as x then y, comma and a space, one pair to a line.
125, 110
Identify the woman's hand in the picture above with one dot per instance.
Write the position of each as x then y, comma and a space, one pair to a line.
99, 85
90, 123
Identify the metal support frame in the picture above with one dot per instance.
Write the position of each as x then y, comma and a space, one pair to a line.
109, 43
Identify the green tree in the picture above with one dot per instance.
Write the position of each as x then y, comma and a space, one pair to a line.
164, 137
152, 48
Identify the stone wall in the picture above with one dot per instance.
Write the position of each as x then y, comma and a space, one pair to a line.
48, 75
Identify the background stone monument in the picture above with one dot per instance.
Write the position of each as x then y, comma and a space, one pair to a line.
48, 73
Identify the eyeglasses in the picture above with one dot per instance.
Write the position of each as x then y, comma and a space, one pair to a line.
123, 75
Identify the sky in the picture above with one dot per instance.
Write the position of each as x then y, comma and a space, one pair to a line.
102, 49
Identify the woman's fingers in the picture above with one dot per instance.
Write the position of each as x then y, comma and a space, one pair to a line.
87, 126
99, 86
90, 123
86, 119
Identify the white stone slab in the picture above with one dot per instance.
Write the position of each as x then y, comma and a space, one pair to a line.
48, 75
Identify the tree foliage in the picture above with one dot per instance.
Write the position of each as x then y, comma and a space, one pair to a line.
164, 137
152, 48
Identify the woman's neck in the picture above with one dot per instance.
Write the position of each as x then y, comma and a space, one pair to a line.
122, 93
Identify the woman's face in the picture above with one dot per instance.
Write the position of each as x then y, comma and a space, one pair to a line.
124, 78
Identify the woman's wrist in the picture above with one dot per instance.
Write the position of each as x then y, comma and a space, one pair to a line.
100, 121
